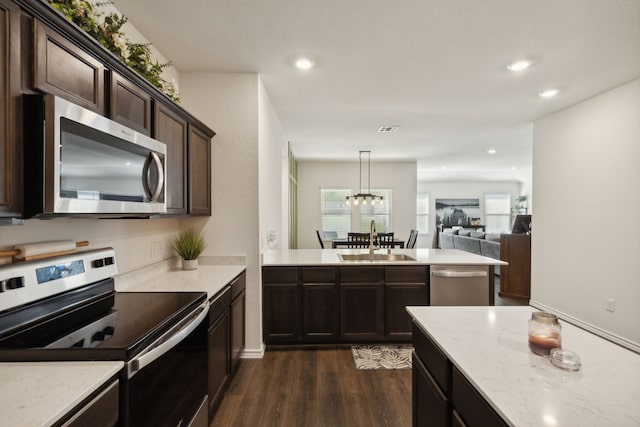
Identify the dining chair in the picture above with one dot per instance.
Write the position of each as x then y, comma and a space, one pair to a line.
411, 241
358, 240
385, 240
320, 239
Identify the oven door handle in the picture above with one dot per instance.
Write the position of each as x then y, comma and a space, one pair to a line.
169, 340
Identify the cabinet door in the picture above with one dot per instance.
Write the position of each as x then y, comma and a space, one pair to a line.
129, 105
199, 172
61, 68
171, 128
361, 312
218, 354
281, 313
469, 404
320, 312
429, 404
10, 114
396, 299
237, 330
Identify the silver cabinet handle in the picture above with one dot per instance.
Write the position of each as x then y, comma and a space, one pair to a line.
167, 341
153, 196
454, 273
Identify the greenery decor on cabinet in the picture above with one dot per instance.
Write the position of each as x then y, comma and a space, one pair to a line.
106, 29
189, 245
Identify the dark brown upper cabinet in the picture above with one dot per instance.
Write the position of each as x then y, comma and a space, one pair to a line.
171, 128
62, 68
129, 104
199, 170
10, 112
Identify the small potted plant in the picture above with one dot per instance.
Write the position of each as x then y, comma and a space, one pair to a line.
189, 245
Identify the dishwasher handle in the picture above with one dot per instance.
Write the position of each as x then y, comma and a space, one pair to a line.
457, 273
169, 340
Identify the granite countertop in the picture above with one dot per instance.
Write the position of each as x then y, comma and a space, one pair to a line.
41, 393
167, 278
330, 257
490, 347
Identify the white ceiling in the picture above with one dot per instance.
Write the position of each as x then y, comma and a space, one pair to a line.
435, 68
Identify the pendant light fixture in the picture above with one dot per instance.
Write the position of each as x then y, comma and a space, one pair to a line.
367, 197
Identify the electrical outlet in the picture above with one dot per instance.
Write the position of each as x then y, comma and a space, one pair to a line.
611, 305
156, 249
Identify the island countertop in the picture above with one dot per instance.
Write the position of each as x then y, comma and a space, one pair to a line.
292, 257
41, 393
489, 345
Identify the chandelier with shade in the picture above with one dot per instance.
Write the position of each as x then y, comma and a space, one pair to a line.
362, 197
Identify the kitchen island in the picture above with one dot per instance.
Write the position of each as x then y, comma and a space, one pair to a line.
474, 367
325, 296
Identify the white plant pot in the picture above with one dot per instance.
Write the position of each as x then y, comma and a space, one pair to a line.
189, 264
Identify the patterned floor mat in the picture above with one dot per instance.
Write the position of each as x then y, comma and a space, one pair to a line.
382, 356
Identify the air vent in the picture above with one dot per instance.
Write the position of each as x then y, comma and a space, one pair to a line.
388, 129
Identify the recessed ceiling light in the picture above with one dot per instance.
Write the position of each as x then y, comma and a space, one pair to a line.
491, 151
519, 65
443, 167
549, 93
513, 168
304, 63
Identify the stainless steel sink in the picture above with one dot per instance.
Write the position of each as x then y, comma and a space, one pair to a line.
375, 257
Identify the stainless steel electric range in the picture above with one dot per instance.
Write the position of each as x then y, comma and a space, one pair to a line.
66, 308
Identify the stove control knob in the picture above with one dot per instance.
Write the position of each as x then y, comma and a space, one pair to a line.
98, 336
108, 260
97, 263
108, 330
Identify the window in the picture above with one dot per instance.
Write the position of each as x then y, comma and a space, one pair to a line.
497, 211
336, 214
380, 212
422, 212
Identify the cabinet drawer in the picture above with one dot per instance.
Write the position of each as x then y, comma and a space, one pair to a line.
102, 411
405, 274
279, 275
470, 405
435, 361
361, 274
238, 284
318, 275
430, 406
219, 304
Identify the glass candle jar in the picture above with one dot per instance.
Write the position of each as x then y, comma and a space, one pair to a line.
545, 333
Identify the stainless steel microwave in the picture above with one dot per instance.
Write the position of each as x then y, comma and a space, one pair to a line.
77, 162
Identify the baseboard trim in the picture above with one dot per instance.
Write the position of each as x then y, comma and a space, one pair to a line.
616, 339
253, 353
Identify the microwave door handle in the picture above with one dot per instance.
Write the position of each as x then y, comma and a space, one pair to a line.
174, 338
153, 195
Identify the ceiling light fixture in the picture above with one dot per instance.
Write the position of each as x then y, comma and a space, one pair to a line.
365, 197
304, 63
519, 65
388, 129
491, 151
549, 93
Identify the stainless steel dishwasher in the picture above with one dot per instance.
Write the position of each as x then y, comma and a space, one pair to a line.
459, 285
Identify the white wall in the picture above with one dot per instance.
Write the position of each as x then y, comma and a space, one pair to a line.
246, 175
273, 166
398, 176
586, 243
462, 190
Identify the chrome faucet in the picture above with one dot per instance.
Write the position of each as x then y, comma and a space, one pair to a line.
372, 237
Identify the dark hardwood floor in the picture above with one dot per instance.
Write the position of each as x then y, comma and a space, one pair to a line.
314, 388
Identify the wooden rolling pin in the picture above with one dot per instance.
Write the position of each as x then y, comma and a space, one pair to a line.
31, 251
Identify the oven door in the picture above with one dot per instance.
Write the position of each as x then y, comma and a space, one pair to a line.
168, 381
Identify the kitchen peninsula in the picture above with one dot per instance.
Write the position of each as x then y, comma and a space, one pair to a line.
341, 296
472, 366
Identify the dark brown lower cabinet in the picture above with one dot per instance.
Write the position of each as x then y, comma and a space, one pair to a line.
237, 320
430, 405
442, 396
328, 305
218, 354
362, 312
101, 411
